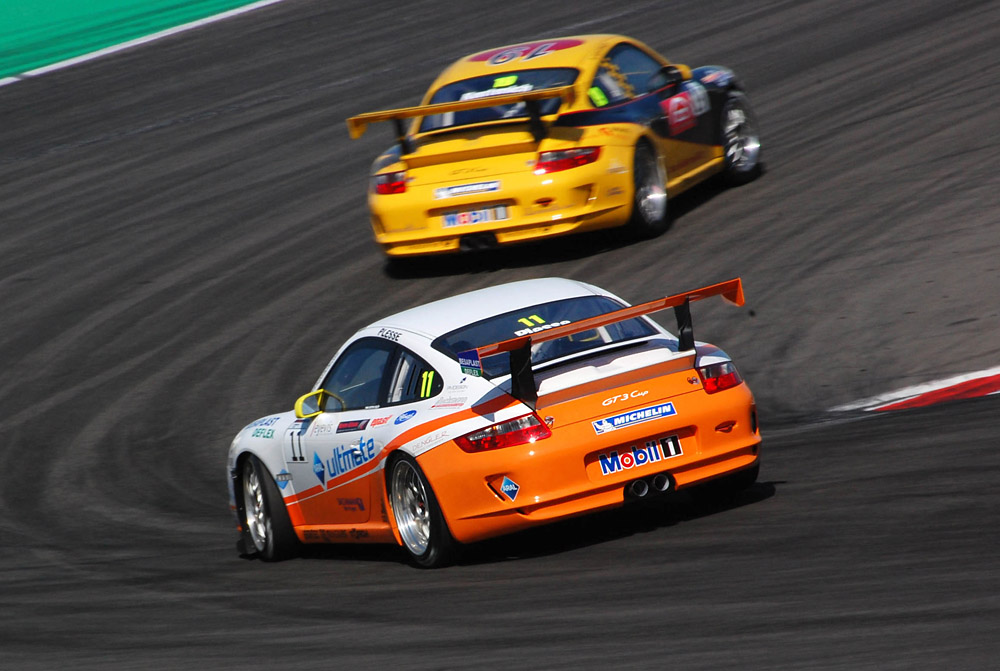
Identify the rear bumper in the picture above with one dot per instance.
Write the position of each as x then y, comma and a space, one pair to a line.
574, 473
598, 195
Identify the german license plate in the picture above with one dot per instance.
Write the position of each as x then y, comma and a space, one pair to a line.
480, 216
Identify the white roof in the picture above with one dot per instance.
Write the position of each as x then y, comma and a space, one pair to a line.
446, 315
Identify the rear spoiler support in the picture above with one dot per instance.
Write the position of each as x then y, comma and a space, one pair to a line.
535, 120
685, 331
522, 377
405, 143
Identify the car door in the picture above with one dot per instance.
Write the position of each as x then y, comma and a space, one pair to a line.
627, 73
335, 450
374, 381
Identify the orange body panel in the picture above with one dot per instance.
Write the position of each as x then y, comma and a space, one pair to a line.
562, 476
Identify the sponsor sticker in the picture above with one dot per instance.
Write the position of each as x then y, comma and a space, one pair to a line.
466, 189
379, 421
348, 457
354, 505
405, 416
679, 112
451, 402
476, 95
319, 469
699, 97
633, 417
471, 217
470, 363
283, 478
509, 488
635, 456
352, 425
527, 52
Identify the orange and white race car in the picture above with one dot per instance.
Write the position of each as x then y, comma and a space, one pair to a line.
552, 137
490, 412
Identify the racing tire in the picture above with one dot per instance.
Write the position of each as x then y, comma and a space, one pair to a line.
267, 528
418, 516
740, 140
649, 200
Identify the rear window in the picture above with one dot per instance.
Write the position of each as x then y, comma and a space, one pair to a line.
539, 318
495, 85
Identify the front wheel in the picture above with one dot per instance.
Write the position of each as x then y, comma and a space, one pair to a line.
418, 516
649, 201
266, 524
740, 139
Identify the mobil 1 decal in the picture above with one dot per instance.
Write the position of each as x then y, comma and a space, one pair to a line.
650, 453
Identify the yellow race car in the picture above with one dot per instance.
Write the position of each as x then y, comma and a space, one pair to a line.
554, 137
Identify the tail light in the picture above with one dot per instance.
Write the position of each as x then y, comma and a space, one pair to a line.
526, 429
719, 376
390, 182
564, 159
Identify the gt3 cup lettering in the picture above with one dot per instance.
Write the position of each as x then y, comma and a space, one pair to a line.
635, 393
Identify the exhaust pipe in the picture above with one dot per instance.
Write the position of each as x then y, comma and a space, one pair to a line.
639, 488
661, 482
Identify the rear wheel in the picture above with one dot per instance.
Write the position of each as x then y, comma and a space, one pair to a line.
649, 202
266, 524
740, 139
418, 516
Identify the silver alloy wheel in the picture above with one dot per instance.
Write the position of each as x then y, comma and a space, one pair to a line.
410, 507
742, 137
254, 506
651, 196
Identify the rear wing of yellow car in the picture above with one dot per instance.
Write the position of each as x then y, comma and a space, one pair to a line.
522, 376
357, 125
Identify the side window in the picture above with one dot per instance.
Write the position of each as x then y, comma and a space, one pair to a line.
626, 71
413, 379
356, 378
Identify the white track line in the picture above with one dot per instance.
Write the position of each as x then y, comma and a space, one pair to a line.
915, 390
137, 42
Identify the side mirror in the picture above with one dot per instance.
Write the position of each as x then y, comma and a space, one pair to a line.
316, 402
669, 75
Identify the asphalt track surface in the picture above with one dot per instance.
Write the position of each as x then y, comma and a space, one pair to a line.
184, 245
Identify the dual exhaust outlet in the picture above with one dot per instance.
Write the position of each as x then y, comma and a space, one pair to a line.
661, 483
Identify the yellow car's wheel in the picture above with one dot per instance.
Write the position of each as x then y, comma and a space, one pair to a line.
649, 200
741, 140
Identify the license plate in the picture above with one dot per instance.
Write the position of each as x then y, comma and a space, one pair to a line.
480, 216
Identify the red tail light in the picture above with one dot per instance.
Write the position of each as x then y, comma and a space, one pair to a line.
526, 429
554, 161
719, 376
390, 182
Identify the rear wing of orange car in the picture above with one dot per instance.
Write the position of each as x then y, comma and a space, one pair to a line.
357, 125
522, 376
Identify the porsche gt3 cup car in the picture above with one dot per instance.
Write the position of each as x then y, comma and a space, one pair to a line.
490, 412
553, 137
